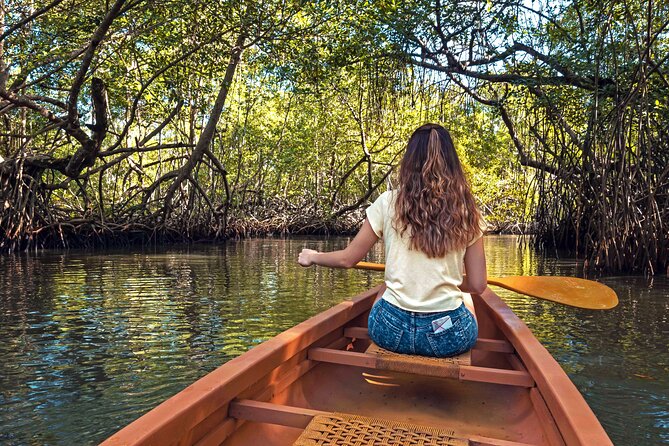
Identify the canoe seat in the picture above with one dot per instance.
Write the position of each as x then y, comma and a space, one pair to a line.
349, 430
422, 365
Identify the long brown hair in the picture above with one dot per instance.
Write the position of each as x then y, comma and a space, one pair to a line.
434, 201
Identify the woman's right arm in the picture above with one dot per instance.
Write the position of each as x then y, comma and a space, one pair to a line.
476, 279
345, 258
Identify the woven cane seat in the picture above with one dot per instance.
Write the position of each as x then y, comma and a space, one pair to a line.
351, 430
420, 365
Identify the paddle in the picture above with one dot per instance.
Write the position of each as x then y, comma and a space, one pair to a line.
581, 293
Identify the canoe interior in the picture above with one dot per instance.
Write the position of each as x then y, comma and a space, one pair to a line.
467, 408
514, 393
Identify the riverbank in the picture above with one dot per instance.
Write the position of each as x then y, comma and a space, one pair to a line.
97, 233
268, 221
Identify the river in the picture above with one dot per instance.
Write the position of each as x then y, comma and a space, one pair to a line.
90, 340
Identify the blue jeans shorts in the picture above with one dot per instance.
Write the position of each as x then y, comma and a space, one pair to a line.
392, 328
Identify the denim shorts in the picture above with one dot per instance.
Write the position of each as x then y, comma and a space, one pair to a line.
409, 332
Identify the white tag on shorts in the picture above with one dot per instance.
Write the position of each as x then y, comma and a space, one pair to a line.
441, 324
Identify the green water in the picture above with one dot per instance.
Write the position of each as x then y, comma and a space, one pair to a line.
90, 341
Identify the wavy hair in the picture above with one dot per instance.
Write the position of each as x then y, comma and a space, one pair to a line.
434, 202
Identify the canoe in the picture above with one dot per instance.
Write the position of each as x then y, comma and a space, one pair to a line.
324, 382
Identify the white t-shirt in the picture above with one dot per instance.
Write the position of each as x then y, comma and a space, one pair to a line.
414, 281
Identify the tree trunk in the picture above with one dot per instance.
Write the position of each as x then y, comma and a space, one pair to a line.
208, 133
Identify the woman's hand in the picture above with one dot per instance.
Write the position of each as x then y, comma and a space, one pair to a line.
306, 257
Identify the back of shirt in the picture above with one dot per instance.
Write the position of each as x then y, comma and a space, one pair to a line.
414, 281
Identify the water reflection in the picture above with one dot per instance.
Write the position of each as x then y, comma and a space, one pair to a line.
112, 334
618, 358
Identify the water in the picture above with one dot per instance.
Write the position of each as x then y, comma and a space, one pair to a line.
90, 341
618, 358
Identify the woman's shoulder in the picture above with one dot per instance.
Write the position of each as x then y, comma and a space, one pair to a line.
382, 205
387, 195
386, 199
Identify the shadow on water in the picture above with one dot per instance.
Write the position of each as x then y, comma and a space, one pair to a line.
112, 334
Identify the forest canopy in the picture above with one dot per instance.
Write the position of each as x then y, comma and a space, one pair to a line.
169, 120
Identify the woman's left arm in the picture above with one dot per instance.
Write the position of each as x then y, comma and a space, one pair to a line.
344, 258
476, 279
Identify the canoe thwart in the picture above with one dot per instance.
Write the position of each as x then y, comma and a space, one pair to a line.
262, 412
443, 370
345, 429
517, 378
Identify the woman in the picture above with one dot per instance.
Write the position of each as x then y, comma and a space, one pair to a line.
432, 232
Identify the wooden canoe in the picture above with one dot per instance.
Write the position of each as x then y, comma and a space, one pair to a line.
510, 391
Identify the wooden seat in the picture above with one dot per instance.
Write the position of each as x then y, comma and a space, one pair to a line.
353, 430
422, 365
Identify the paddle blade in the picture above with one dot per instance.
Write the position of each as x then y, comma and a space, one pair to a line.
572, 291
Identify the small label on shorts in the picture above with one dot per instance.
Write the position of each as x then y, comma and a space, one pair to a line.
441, 324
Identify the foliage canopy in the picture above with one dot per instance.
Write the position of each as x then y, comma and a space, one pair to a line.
221, 118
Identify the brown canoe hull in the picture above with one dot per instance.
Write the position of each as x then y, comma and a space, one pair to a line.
514, 392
